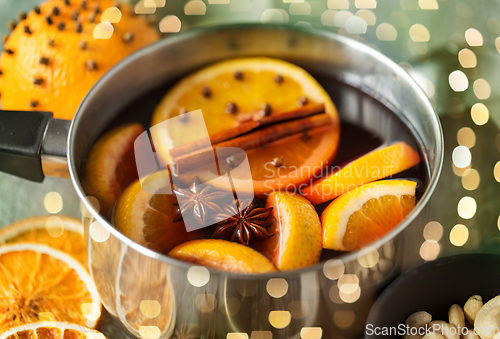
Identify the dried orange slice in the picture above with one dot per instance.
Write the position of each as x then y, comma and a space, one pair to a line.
223, 255
56, 55
60, 232
148, 218
376, 165
40, 283
231, 92
110, 166
296, 240
366, 213
51, 330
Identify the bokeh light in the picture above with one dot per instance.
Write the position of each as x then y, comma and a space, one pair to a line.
473, 37
496, 171
470, 179
333, 269
103, 30
198, 276
54, 226
419, 33
355, 25
479, 114
111, 15
311, 333
341, 18
328, 17
386, 32
482, 89
145, 7
237, 335
466, 137
371, 4
367, 15
149, 332
150, 308
99, 233
53, 202
461, 156
338, 4
277, 287
433, 231
274, 16
467, 207
467, 58
195, 7
350, 298
459, 235
368, 257
170, 24
458, 81
428, 4
280, 319
430, 250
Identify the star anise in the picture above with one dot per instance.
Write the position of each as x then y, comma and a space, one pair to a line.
244, 223
200, 200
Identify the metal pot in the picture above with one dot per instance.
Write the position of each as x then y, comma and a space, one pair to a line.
154, 295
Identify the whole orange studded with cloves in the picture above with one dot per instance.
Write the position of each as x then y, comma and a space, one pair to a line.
57, 51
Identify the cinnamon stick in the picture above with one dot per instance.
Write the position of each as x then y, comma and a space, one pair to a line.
247, 127
255, 139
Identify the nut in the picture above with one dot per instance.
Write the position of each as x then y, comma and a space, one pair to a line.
469, 334
449, 331
471, 307
487, 320
456, 316
418, 319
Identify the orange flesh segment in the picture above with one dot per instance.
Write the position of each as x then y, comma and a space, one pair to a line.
375, 219
296, 240
376, 165
223, 255
365, 214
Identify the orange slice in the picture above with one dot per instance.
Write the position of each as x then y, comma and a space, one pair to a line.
74, 51
110, 166
51, 330
40, 283
148, 218
297, 232
60, 232
250, 83
366, 213
222, 255
378, 164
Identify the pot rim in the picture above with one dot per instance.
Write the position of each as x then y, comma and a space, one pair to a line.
347, 257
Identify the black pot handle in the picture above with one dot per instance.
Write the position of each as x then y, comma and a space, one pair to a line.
22, 135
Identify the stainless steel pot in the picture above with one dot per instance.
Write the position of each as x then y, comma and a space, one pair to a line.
153, 295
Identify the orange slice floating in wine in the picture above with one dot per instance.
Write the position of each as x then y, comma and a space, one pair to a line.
366, 213
234, 91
